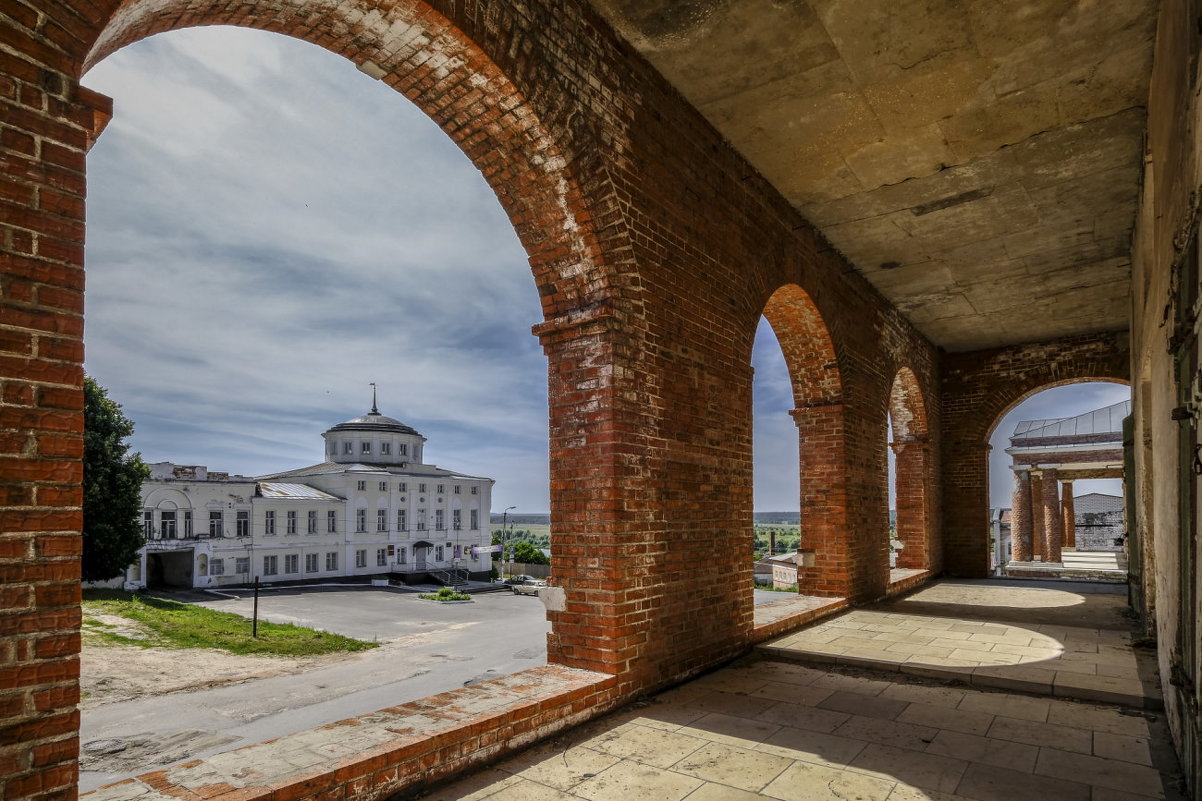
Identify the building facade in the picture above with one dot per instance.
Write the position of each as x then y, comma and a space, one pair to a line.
372, 508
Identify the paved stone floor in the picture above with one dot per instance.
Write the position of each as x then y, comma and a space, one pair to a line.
766, 728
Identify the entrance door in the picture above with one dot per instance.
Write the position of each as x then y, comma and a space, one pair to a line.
419, 556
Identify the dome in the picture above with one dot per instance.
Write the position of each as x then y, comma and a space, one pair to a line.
374, 421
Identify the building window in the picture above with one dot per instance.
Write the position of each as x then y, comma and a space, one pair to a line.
457, 488
361, 486
332, 522
360, 520
242, 523
421, 519
456, 522
291, 521
269, 522
364, 447
400, 555
148, 524
242, 565
421, 487
381, 557
291, 563
167, 524
347, 448
332, 560
402, 449
440, 488
385, 448
360, 558
216, 567
312, 521
381, 520
475, 519
438, 554
474, 490
403, 487
271, 565
215, 524
188, 524
310, 563
400, 520
439, 520
383, 486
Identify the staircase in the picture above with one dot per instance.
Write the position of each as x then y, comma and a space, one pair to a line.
450, 578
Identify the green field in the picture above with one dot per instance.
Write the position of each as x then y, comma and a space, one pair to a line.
537, 534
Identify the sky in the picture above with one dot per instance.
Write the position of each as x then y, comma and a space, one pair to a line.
271, 231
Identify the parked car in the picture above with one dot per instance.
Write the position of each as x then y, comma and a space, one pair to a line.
522, 579
529, 587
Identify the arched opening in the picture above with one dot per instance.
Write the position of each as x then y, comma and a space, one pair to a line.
809, 354
1056, 483
911, 477
345, 300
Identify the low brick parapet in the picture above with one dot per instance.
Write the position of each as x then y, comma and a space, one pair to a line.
791, 612
382, 753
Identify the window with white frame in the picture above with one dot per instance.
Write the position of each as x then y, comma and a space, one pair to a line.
421, 487
148, 524
291, 563
216, 524
361, 558
421, 519
457, 488
310, 563
242, 523
364, 447
348, 448
332, 522
188, 523
383, 486
474, 490
441, 487
381, 557
403, 449
242, 565
361, 486
456, 521
438, 553
475, 518
291, 521
360, 520
167, 524
312, 521
385, 448
400, 520
400, 555
271, 565
403, 487
269, 522
332, 560
440, 523
216, 567
381, 520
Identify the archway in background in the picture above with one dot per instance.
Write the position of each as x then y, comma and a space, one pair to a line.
910, 432
818, 412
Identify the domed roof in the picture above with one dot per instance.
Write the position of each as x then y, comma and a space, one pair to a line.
374, 421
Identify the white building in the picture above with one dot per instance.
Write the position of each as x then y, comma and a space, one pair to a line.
372, 508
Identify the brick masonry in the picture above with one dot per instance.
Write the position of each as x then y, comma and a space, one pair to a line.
655, 249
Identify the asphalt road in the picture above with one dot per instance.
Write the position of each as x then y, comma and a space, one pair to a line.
428, 648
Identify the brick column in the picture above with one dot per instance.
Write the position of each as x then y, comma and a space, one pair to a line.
1070, 515
1053, 518
1020, 518
1036, 513
912, 516
824, 513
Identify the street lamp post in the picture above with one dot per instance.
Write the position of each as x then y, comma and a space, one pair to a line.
504, 537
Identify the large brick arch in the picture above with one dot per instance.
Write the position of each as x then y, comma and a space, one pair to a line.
914, 473
978, 388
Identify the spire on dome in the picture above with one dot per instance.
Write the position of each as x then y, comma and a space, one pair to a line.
374, 410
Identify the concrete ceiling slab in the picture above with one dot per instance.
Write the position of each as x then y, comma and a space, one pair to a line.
987, 152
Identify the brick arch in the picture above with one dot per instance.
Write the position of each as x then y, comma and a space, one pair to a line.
817, 383
1032, 392
978, 388
914, 470
425, 57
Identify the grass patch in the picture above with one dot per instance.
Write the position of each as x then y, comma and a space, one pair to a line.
445, 594
171, 624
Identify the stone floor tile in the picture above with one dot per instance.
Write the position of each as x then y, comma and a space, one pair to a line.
1116, 670
1008, 704
1106, 794
1122, 747
1100, 772
1048, 735
743, 706
943, 717
630, 780
525, 790
971, 748
935, 667
923, 771
1116, 720
944, 634
860, 643
887, 732
992, 783
805, 717
807, 782
1128, 691
720, 792
730, 729
737, 767
1084, 668
475, 787
867, 705
1037, 652
906, 793
731, 681
906, 636
923, 694
668, 717
1016, 677
874, 660
647, 745
787, 673
557, 767
802, 694
911, 649
851, 684
812, 746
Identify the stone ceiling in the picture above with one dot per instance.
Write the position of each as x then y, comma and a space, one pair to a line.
977, 160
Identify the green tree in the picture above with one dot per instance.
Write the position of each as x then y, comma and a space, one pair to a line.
526, 553
112, 487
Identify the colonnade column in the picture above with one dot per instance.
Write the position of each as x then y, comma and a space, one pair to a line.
1020, 518
1053, 517
1036, 514
1070, 514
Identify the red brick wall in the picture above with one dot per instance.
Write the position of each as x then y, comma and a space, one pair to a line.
655, 250
977, 389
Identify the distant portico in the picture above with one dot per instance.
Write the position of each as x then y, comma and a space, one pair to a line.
1048, 456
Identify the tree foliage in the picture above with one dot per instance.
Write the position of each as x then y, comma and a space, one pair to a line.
112, 487
527, 554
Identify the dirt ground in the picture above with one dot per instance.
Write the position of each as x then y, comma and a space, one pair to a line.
110, 673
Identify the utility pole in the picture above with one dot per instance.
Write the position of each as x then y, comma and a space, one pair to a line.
505, 537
